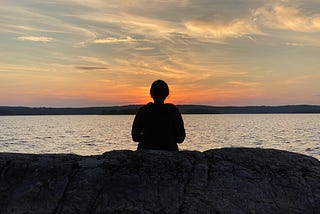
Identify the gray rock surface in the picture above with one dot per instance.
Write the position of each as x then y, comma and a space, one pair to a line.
230, 180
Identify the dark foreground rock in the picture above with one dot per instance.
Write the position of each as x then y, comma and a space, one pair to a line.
232, 180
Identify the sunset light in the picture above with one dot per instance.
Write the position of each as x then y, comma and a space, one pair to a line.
79, 53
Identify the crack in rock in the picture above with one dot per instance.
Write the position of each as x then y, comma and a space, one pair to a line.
60, 203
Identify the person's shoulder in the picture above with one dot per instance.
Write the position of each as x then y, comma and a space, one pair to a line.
171, 106
146, 106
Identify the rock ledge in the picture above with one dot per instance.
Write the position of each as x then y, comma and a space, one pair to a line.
229, 180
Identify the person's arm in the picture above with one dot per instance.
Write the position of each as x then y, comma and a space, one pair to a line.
137, 127
180, 131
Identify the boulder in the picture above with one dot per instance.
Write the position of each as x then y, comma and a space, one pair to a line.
228, 180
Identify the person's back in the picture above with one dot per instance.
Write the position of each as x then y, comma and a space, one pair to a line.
157, 125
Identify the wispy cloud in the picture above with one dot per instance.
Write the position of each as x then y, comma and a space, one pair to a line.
90, 68
115, 40
93, 60
288, 17
144, 48
243, 84
295, 44
220, 29
36, 39
38, 20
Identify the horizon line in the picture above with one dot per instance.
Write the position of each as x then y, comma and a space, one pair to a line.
110, 106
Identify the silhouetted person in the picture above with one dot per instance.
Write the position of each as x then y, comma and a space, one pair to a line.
158, 125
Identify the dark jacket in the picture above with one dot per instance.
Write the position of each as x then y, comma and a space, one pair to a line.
159, 127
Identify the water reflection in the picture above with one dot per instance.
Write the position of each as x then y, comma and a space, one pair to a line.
87, 135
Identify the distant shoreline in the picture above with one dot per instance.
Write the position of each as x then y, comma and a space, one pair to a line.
184, 109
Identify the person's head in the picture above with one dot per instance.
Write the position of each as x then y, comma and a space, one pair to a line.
159, 91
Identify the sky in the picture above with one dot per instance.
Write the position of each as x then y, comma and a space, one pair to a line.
77, 53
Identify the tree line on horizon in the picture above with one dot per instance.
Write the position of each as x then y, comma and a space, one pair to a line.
184, 109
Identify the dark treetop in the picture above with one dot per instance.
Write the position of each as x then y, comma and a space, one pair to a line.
184, 109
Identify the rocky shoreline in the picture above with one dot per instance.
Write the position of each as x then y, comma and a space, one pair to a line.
228, 180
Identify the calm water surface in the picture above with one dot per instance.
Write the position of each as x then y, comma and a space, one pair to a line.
87, 135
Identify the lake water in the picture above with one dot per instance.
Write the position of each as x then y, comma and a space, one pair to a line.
88, 135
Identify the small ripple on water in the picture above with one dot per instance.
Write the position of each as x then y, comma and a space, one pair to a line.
259, 143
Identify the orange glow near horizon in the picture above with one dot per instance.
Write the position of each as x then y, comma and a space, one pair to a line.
209, 52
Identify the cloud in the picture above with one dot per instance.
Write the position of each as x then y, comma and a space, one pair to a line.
38, 19
295, 44
220, 29
105, 81
115, 40
288, 18
90, 68
36, 38
93, 60
243, 84
144, 48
